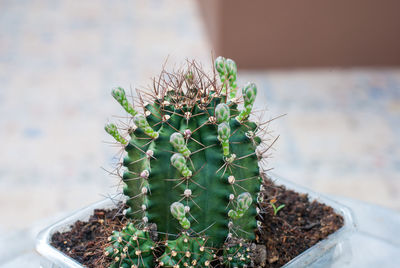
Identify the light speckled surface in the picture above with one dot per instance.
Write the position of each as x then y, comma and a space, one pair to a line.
59, 59
341, 134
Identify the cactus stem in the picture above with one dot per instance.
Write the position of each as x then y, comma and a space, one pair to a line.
196, 141
136, 196
194, 118
202, 125
136, 161
204, 148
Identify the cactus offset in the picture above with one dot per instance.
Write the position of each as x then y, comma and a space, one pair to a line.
237, 254
131, 248
191, 162
187, 251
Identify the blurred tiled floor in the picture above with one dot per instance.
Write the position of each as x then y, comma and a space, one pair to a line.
59, 59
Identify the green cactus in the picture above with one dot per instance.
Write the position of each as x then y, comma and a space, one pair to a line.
131, 248
191, 163
186, 251
236, 255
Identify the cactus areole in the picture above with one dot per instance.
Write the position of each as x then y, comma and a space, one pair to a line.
191, 164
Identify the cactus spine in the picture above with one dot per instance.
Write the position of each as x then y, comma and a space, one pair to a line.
191, 162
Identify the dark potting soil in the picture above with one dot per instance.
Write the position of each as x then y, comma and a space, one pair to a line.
299, 225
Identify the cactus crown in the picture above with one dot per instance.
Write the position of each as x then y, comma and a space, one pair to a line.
191, 165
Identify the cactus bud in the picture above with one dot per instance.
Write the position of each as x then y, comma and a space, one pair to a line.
231, 67
233, 214
224, 132
185, 223
177, 140
222, 113
179, 162
220, 65
113, 131
244, 201
141, 122
249, 93
119, 95
227, 71
231, 73
178, 212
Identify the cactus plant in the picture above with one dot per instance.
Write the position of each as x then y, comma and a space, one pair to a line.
191, 160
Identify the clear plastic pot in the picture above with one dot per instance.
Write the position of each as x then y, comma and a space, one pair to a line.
332, 250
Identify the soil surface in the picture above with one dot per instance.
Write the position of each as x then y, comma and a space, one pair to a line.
299, 225
282, 236
85, 241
